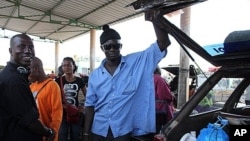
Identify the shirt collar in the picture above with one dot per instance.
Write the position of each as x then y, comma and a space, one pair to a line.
122, 63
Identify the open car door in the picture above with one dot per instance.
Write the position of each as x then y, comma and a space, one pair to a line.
230, 54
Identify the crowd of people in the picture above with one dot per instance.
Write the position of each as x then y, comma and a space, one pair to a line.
124, 97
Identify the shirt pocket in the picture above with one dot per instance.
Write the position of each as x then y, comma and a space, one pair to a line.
128, 86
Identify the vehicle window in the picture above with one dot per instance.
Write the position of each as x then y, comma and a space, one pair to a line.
245, 98
1, 68
219, 94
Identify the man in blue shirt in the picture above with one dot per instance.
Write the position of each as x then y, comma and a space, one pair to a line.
120, 99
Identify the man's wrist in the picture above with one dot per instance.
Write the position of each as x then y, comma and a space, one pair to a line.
49, 132
85, 134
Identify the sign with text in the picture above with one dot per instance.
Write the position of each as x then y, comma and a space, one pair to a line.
215, 49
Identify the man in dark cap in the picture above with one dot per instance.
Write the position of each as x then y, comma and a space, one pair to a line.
18, 112
120, 96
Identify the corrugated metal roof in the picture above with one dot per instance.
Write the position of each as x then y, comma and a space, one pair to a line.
61, 20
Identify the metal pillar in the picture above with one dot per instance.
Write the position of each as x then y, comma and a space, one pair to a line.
183, 86
92, 50
56, 56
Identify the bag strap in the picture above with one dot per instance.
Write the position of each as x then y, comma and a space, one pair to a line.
62, 91
42, 88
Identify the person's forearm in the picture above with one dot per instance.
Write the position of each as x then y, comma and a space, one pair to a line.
89, 116
162, 37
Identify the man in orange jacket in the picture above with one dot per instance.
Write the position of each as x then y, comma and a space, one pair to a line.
47, 95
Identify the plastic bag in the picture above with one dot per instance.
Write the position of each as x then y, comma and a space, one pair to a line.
189, 136
214, 131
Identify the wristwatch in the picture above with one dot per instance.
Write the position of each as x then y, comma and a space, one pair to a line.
50, 132
85, 134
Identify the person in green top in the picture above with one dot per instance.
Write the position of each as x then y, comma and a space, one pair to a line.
206, 103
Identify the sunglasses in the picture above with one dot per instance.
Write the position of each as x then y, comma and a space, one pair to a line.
109, 46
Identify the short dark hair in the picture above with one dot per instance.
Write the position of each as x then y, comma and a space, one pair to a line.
157, 70
18, 35
60, 71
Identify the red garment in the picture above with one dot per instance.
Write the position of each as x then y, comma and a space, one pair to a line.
163, 97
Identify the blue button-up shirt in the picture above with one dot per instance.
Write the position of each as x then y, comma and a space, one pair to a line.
125, 102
